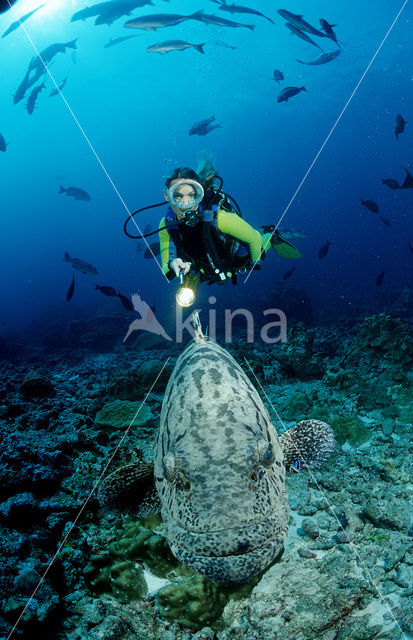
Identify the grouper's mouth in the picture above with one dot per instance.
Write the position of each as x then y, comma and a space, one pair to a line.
234, 541
230, 569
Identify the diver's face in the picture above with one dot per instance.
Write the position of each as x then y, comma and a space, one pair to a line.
183, 195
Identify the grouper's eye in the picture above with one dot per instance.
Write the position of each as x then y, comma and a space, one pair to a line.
265, 453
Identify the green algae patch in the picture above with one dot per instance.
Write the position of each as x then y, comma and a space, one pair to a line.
121, 413
297, 407
194, 602
350, 428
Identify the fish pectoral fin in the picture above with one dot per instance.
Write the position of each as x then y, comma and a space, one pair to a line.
132, 484
310, 441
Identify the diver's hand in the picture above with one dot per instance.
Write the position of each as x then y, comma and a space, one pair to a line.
179, 265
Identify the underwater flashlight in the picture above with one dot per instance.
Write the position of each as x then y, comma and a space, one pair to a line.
187, 290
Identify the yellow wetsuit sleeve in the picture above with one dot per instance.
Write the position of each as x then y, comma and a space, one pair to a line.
164, 241
239, 229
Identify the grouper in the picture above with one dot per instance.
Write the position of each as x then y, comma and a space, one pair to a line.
219, 467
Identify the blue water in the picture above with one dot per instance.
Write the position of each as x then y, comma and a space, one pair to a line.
130, 112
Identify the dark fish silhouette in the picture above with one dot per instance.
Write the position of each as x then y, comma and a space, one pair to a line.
153, 249
385, 221
295, 31
323, 59
234, 8
6, 4
400, 122
390, 182
31, 101
109, 11
115, 9
3, 143
323, 250
113, 41
15, 25
328, 30
379, 279
298, 21
223, 22
49, 53
408, 181
371, 206
75, 192
203, 127
71, 289
82, 266
278, 75
107, 291
289, 92
411, 247
288, 273
55, 91
126, 302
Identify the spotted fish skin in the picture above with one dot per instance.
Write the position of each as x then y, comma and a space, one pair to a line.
219, 468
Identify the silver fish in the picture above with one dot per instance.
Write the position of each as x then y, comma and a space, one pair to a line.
174, 45
82, 266
323, 59
159, 20
291, 234
219, 467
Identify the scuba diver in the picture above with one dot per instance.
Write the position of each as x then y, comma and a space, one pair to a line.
203, 238
209, 239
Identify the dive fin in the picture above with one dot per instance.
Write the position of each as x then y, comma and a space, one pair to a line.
284, 248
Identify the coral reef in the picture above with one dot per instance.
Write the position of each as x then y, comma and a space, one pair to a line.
121, 413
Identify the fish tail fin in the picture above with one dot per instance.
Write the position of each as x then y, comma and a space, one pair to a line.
61, 189
197, 15
309, 441
200, 47
250, 26
72, 44
67, 258
303, 89
196, 323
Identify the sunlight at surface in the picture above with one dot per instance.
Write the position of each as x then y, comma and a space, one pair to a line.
50, 9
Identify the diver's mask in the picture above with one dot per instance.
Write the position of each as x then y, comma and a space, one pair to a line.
186, 195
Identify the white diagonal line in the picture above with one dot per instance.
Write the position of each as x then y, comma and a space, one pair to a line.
83, 132
86, 501
333, 127
329, 503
